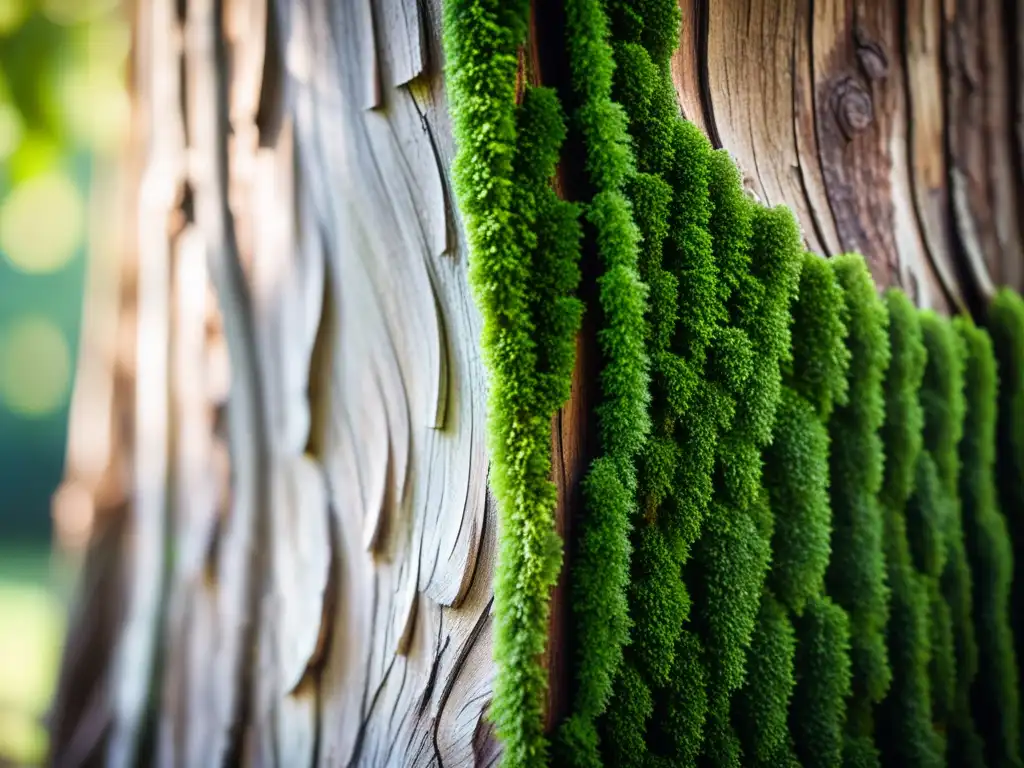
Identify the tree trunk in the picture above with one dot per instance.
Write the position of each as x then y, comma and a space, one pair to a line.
293, 539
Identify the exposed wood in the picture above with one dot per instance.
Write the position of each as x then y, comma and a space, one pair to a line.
689, 68
889, 128
985, 178
926, 108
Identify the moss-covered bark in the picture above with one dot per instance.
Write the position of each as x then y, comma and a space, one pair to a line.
523, 245
904, 728
1006, 325
600, 577
761, 710
796, 476
856, 578
954, 649
994, 696
822, 683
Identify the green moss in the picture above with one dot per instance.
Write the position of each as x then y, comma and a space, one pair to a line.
820, 359
623, 725
761, 710
654, 23
860, 752
649, 103
731, 229
942, 399
660, 599
761, 306
942, 669
732, 554
927, 512
965, 746
796, 462
520, 280
822, 665
731, 557
904, 719
689, 253
796, 475
995, 695
756, 283
904, 729
691, 376
928, 522
902, 432
681, 709
600, 579
1006, 325
797, 478
855, 578
601, 561
721, 743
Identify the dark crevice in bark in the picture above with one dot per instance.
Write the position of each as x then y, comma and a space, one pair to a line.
702, 13
794, 78
358, 748
321, 364
1013, 16
150, 726
948, 292
820, 139
571, 183
270, 111
970, 289
459, 664
80, 717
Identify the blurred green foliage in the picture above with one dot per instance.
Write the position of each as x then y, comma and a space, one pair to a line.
63, 109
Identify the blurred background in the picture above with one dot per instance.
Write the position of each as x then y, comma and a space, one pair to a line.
63, 114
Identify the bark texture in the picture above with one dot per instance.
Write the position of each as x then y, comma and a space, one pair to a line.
279, 422
890, 128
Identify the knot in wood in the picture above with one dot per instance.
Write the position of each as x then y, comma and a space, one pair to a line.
852, 106
871, 56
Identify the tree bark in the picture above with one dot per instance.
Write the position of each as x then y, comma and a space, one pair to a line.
293, 539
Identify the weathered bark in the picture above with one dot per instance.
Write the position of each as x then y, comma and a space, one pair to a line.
293, 537
890, 128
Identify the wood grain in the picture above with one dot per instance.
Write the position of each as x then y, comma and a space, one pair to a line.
890, 128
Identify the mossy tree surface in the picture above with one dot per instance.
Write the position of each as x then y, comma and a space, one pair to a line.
797, 478
954, 648
994, 696
694, 293
904, 728
796, 462
761, 709
671, 198
710, 308
822, 683
1006, 325
928, 521
732, 555
523, 252
856, 577
600, 577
